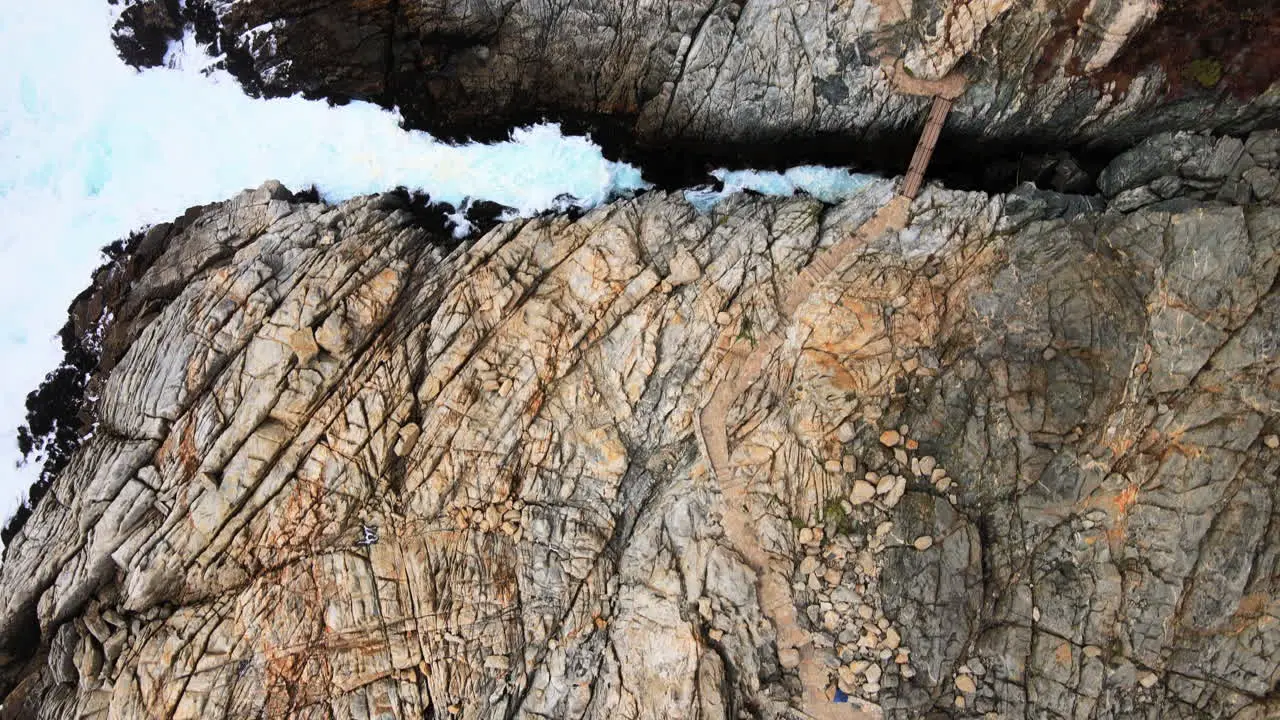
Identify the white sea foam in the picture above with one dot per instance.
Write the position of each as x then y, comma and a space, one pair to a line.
831, 185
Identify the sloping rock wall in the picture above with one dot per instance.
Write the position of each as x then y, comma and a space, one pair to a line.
1019, 458
743, 72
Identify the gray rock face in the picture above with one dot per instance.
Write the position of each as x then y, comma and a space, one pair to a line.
1194, 166
1017, 458
746, 72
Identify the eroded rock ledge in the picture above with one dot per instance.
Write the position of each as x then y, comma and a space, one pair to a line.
742, 74
1017, 458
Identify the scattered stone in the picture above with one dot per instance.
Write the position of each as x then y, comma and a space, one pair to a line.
789, 658
849, 463
723, 318
832, 466
1272, 441
892, 639
890, 438
924, 542
873, 673
1148, 679
927, 464
1092, 651
965, 684
866, 563
809, 564
899, 487
862, 492
848, 680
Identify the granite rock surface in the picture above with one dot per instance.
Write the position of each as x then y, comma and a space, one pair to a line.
1018, 459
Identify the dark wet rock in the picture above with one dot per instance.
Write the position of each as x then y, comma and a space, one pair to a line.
144, 30
934, 595
1195, 166
704, 73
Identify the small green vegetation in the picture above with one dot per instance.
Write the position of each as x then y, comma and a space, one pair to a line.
836, 518
746, 331
1206, 71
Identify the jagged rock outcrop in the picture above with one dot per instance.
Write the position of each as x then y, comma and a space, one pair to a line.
1018, 458
744, 72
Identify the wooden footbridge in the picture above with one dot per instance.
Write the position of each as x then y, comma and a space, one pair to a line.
924, 147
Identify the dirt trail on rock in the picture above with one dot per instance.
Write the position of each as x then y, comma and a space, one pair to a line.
773, 573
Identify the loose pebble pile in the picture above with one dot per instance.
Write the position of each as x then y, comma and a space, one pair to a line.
836, 580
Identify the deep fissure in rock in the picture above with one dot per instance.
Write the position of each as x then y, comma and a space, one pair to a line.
959, 162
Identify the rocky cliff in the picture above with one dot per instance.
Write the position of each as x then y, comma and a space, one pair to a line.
1016, 458
745, 73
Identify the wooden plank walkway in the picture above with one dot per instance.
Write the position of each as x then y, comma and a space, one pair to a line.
924, 148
